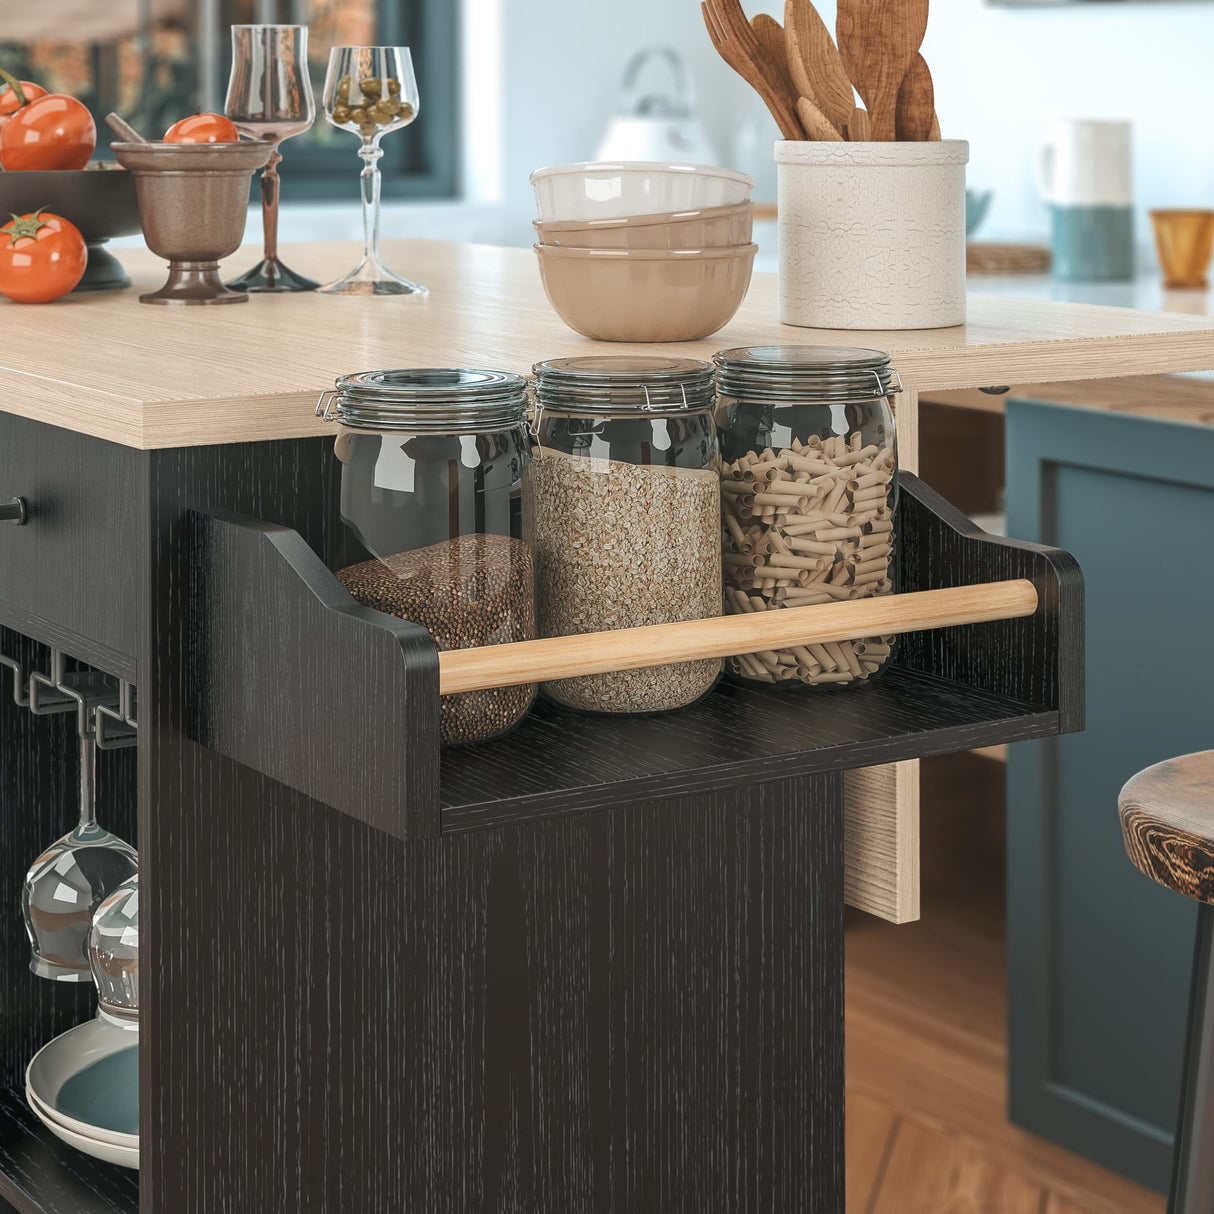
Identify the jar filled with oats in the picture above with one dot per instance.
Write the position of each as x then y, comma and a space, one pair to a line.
808, 497
627, 516
435, 488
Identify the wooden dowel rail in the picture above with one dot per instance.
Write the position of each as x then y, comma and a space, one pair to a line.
691, 640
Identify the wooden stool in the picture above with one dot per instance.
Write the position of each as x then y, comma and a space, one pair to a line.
1167, 821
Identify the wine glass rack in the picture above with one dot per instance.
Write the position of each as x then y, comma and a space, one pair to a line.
104, 706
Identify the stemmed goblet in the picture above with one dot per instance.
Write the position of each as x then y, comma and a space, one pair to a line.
270, 97
371, 90
67, 883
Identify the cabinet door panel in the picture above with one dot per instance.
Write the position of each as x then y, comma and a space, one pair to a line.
1099, 956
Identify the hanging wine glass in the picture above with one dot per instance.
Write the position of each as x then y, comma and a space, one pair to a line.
114, 955
67, 883
270, 98
371, 90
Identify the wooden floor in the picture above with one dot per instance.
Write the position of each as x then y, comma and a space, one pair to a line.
926, 1060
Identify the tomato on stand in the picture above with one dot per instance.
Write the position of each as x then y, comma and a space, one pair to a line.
203, 128
42, 257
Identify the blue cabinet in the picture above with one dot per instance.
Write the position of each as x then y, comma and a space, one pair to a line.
1098, 956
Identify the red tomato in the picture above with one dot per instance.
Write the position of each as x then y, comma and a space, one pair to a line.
54, 132
42, 257
11, 100
203, 128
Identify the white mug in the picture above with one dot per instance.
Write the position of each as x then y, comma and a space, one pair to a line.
1086, 164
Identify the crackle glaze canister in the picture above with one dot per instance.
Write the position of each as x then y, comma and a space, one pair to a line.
872, 235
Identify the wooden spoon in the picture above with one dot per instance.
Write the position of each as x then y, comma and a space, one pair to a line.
916, 103
816, 123
878, 39
859, 129
737, 44
814, 62
770, 34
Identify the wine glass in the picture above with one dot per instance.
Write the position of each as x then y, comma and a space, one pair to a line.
67, 883
371, 90
270, 97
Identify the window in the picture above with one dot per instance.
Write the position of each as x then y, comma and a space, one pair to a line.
155, 61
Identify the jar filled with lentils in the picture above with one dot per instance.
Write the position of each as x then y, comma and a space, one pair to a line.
808, 497
627, 529
436, 487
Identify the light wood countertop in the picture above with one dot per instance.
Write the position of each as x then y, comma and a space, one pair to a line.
154, 377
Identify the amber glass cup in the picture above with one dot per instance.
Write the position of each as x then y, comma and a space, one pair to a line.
1185, 240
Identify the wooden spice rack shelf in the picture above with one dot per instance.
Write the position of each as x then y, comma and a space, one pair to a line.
996, 656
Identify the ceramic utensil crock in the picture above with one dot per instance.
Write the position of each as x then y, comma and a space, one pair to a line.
193, 201
872, 235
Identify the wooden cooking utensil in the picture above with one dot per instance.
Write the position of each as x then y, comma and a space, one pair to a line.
916, 103
859, 129
770, 34
816, 123
878, 39
814, 62
737, 44
935, 131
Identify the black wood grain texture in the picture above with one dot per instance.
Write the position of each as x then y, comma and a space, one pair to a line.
1039, 658
562, 762
39, 764
970, 687
301, 683
634, 1010
41, 1175
69, 576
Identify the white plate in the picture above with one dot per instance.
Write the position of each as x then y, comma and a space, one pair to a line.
107, 1151
87, 1082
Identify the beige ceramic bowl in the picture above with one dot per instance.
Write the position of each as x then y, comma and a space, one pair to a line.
709, 228
648, 294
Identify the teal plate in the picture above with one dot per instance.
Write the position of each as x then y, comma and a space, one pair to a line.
88, 1080
105, 1094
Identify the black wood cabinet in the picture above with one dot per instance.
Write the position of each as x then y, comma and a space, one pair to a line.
592, 968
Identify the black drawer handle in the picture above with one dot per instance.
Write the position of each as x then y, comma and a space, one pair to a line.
15, 512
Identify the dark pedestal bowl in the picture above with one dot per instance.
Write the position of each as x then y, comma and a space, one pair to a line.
100, 200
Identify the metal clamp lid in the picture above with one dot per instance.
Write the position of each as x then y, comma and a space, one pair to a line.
612, 384
835, 373
426, 399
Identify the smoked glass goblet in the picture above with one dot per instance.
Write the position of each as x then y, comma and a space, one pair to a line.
371, 90
270, 98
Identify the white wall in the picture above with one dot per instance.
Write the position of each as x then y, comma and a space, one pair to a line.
1002, 78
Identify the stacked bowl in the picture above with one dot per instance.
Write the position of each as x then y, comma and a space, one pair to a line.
644, 252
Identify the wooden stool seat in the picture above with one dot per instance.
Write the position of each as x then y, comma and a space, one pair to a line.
1167, 822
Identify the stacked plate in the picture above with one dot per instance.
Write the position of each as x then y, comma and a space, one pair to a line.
84, 1087
644, 252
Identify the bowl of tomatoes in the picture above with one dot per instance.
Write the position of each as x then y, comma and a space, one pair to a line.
47, 141
100, 200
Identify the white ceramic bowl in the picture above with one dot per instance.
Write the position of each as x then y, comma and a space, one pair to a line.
606, 190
